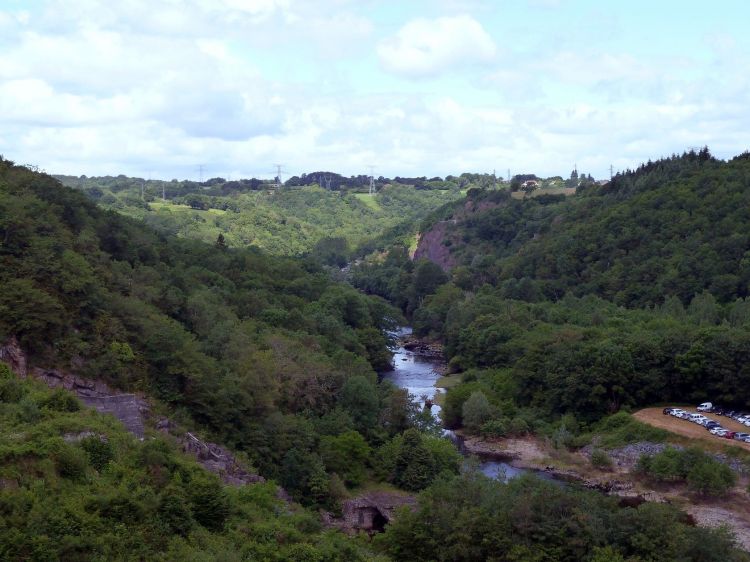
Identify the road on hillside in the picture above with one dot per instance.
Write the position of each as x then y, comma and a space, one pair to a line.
655, 417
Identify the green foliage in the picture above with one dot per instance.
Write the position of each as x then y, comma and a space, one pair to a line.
413, 460
99, 451
347, 455
473, 518
476, 410
253, 349
704, 474
112, 497
600, 459
322, 223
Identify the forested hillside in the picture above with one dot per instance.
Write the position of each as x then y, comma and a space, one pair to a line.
629, 294
270, 356
292, 221
672, 227
76, 486
265, 353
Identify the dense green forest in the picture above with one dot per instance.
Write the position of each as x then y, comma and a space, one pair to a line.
267, 354
331, 224
274, 358
625, 295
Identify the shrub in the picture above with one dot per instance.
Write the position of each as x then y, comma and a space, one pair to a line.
61, 401
600, 459
99, 451
495, 428
518, 426
711, 478
71, 462
476, 410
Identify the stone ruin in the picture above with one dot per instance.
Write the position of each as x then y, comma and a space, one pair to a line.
371, 512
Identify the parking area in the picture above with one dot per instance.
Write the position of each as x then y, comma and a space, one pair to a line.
656, 418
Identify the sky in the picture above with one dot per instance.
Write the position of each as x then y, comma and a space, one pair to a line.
163, 88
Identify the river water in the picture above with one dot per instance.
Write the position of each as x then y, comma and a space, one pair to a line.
418, 373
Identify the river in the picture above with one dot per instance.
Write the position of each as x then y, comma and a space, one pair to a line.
418, 373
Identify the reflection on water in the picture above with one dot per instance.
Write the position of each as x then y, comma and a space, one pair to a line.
417, 374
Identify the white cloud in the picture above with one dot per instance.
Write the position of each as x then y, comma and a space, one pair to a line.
425, 47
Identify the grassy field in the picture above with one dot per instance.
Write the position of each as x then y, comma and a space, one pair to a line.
537, 192
159, 205
369, 200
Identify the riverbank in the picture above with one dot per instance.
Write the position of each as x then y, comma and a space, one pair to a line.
535, 454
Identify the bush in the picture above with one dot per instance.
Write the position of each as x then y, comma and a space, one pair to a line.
600, 459
61, 401
71, 462
98, 450
518, 426
495, 428
476, 411
703, 473
711, 478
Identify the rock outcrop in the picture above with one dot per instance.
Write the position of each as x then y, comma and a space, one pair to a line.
132, 411
12, 355
219, 460
431, 246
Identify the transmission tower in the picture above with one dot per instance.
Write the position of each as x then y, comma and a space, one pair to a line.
372, 180
201, 167
611, 171
279, 171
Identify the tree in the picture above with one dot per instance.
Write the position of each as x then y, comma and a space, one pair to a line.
414, 468
346, 455
359, 397
476, 411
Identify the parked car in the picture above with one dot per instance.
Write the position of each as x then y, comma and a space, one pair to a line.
705, 407
729, 434
698, 418
711, 424
667, 411
678, 413
740, 436
718, 431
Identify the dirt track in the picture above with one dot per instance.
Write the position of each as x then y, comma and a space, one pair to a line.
654, 417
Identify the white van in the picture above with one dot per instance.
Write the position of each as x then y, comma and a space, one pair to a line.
696, 418
705, 407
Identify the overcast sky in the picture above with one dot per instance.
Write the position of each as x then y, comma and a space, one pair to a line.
434, 87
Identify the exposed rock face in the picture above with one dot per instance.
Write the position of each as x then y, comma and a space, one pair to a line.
132, 410
12, 355
431, 247
370, 512
218, 460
